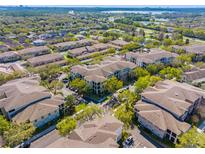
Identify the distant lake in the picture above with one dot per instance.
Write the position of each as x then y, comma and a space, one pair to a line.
139, 12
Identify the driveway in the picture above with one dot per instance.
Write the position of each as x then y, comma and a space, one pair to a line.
141, 140
45, 140
66, 91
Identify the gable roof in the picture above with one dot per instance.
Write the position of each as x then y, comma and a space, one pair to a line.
19, 92
160, 118
173, 96
100, 72
100, 132
152, 56
36, 111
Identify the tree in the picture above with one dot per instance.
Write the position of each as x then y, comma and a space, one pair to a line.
80, 85
161, 36
89, 112
191, 139
187, 41
140, 72
154, 68
183, 59
69, 105
167, 42
144, 82
129, 98
171, 73
49, 72
4, 125
125, 116
131, 46
113, 84
142, 33
16, 134
56, 85
66, 125
53, 86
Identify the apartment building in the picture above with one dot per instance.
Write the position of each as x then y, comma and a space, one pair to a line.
33, 52
102, 132
8, 69
197, 49
24, 100
154, 56
9, 56
164, 108
54, 58
195, 75
95, 75
64, 46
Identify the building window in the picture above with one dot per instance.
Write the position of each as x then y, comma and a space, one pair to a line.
174, 135
168, 131
173, 139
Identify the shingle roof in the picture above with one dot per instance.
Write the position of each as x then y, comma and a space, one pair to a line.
36, 111
197, 48
63, 44
174, 96
160, 118
8, 54
119, 42
195, 74
152, 56
33, 50
19, 92
100, 132
45, 59
10, 68
101, 71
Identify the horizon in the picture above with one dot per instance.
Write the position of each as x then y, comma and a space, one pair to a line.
112, 6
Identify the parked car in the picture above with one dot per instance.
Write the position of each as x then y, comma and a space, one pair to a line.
65, 80
128, 142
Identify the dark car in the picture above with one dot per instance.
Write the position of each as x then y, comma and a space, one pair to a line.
65, 80
24, 145
128, 142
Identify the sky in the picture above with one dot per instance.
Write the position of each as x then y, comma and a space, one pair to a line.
102, 2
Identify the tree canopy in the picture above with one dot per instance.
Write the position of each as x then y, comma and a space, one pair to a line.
66, 125
191, 139
80, 85
113, 84
140, 72
16, 134
171, 73
144, 82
